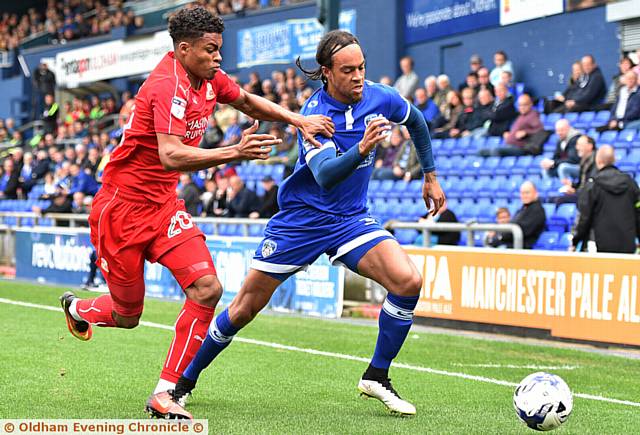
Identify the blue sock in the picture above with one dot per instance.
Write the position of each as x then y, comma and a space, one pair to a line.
394, 323
221, 332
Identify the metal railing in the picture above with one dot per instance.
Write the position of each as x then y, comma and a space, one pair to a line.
470, 227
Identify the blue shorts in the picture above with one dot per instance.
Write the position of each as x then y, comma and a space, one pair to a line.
293, 239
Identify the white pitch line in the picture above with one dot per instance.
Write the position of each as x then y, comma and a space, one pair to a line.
513, 366
350, 357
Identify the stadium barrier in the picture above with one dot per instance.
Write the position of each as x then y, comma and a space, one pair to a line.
592, 297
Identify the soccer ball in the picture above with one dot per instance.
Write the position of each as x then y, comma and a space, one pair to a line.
543, 401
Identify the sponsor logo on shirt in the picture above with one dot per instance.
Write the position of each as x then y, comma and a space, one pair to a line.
210, 94
196, 128
178, 106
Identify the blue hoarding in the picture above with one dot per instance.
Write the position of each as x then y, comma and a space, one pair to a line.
284, 41
430, 19
62, 257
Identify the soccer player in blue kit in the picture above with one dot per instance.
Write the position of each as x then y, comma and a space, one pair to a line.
323, 210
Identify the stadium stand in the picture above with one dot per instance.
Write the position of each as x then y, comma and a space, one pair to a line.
85, 133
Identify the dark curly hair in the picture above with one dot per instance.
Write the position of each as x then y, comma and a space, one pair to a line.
189, 24
330, 44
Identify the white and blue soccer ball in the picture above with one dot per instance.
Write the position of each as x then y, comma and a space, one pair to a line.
543, 401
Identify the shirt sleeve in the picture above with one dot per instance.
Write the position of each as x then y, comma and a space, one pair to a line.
226, 89
398, 108
169, 109
309, 151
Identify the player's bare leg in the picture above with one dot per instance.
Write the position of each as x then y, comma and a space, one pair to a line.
390, 266
256, 291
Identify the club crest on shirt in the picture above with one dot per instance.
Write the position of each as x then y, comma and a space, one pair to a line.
370, 117
268, 248
210, 94
178, 106
312, 104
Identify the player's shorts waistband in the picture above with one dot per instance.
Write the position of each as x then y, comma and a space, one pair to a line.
124, 194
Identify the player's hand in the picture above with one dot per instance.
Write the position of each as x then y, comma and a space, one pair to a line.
312, 125
376, 132
256, 146
432, 193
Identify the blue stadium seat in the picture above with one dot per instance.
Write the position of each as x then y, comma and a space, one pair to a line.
399, 189
564, 242
462, 146
406, 236
572, 117
448, 145
550, 121
445, 166
563, 216
256, 230
522, 165
584, 120
477, 144
436, 145
630, 164
607, 137
207, 229
534, 165
625, 139
415, 189
493, 142
278, 173
487, 188
489, 166
506, 165
621, 154
602, 117
547, 240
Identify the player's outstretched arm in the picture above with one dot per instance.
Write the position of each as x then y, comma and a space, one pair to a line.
265, 110
329, 170
176, 156
431, 191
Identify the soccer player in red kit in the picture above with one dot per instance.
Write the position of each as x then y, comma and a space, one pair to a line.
136, 215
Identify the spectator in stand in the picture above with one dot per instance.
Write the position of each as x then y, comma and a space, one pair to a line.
39, 170
480, 122
466, 118
93, 161
525, 126
26, 172
531, 217
44, 82
442, 95
426, 105
565, 163
267, 91
431, 86
10, 180
218, 204
586, 149
386, 80
189, 193
475, 63
483, 80
445, 215
96, 111
470, 82
269, 201
50, 186
81, 181
213, 135
501, 64
493, 238
609, 206
506, 78
242, 201
408, 82
617, 83
448, 117
557, 104
10, 126
386, 157
50, 114
406, 165
591, 87
234, 131
625, 112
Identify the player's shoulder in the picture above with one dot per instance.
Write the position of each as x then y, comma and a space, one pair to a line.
166, 77
313, 105
380, 90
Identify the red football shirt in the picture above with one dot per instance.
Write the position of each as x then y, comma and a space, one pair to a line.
166, 103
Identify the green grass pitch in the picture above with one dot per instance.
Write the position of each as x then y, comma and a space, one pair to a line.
253, 388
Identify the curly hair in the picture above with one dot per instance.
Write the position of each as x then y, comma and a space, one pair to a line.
189, 24
330, 44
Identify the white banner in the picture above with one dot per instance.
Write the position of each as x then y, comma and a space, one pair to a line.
109, 60
515, 11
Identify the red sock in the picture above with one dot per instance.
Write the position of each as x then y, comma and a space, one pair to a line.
191, 330
97, 311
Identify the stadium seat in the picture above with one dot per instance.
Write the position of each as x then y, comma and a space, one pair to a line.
489, 166
448, 145
406, 236
462, 146
399, 189
493, 142
436, 145
506, 165
601, 118
550, 121
572, 117
522, 165
607, 137
625, 139
256, 230
547, 240
584, 120
415, 189
534, 166
278, 173
564, 242
564, 216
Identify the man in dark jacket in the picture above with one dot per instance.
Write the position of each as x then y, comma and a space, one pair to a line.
625, 112
190, 194
269, 201
591, 87
502, 113
610, 206
242, 201
531, 217
586, 149
565, 162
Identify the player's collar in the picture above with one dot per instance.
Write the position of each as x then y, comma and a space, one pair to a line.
337, 104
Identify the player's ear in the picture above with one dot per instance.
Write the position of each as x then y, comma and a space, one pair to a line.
325, 71
183, 47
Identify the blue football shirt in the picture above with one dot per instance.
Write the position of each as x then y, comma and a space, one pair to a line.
350, 196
